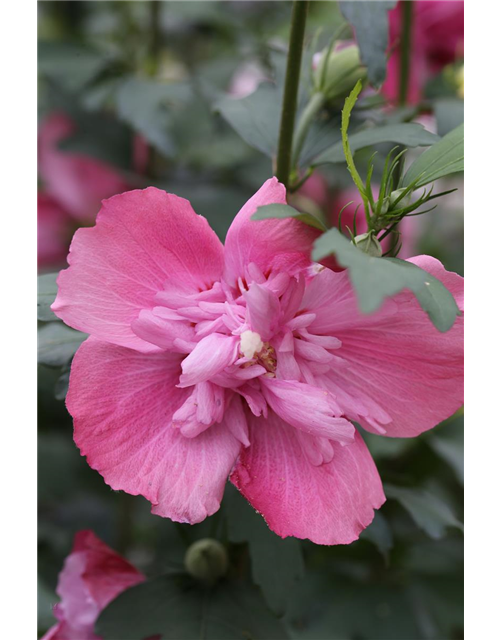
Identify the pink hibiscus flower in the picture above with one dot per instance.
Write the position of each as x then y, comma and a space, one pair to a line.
92, 576
52, 228
315, 189
246, 360
77, 182
437, 40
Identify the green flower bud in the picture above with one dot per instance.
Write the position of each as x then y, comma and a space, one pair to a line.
369, 244
336, 72
206, 560
385, 206
404, 202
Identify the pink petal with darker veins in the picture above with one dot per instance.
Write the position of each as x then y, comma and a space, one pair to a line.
271, 244
141, 240
328, 504
122, 402
407, 374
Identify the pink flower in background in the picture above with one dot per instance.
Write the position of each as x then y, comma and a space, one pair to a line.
73, 187
92, 576
246, 360
437, 40
76, 181
246, 79
53, 232
316, 189
408, 227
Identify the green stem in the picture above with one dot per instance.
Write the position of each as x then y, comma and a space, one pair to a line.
289, 106
314, 105
404, 69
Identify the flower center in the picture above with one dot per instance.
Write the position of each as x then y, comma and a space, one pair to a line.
257, 351
250, 343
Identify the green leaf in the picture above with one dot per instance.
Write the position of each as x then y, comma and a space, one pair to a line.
375, 279
218, 203
58, 458
281, 211
71, 65
61, 386
177, 609
47, 291
406, 134
255, 118
428, 511
380, 534
371, 26
323, 134
442, 159
45, 603
100, 136
277, 564
387, 448
97, 133
449, 114
448, 443
145, 105
334, 607
57, 344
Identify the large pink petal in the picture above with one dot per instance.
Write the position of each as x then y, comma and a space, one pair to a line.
270, 244
328, 504
122, 402
142, 240
402, 374
331, 298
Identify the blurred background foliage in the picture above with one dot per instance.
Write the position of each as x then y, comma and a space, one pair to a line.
186, 96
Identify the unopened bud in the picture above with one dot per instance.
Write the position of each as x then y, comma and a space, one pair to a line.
206, 560
404, 202
336, 72
369, 244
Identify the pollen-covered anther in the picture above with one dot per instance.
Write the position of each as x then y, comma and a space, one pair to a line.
252, 347
250, 343
267, 358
